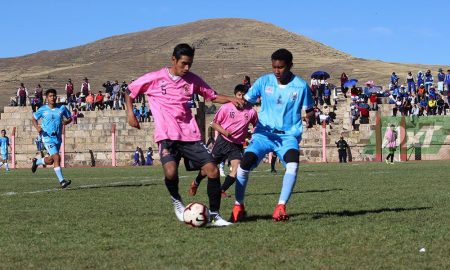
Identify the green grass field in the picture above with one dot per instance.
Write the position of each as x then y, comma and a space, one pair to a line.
343, 216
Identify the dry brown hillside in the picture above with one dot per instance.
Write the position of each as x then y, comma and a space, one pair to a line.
226, 50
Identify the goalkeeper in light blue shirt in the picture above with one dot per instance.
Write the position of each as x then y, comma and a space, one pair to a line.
279, 129
53, 116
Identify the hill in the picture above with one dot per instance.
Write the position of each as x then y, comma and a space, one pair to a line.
227, 49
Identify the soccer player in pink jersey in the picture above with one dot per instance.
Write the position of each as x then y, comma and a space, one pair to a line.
232, 124
169, 91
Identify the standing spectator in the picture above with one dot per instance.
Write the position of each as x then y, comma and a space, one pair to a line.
4, 150
72, 101
136, 157
142, 112
354, 115
420, 79
314, 89
22, 94
428, 80
115, 88
391, 142
69, 89
176, 131
75, 116
441, 78
415, 111
38, 94
327, 95
85, 87
39, 143
411, 83
342, 150
344, 79
123, 86
447, 81
149, 157
137, 113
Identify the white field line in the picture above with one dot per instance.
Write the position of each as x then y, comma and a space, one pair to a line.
112, 184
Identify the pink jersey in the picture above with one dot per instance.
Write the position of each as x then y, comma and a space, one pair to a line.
168, 99
236, 121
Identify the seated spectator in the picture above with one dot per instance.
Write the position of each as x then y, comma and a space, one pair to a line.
99, 101
136, 112
440, 105
327, 95
432, 106
90, 102
374, 101
364, 113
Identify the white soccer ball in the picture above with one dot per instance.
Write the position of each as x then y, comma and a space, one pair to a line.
196, 214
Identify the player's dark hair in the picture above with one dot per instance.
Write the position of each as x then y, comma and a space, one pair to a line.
284, 55
49, 91
240, 88
183, 49
3, 130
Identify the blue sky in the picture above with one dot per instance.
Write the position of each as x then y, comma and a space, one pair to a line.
404, 31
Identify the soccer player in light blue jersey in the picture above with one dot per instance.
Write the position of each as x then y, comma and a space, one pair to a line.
53, 118
283, 97
4, 147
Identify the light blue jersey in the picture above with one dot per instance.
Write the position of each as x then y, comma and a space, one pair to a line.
4, 144
281, 105
52, 125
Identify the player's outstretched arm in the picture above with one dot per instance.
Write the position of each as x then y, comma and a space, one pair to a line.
239, 103
132, 121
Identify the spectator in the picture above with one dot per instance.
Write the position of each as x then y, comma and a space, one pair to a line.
72, 101
74, 116
420, 79
90, 102
327, 95
432, 106
421, 92
415, 111
394, 79
39, 143
410, 82
136, 157
354, 114
428, 80
99, 101
364, 113
342, 150
69, 89
85, 87
447, 81
354, 93
149, 157
246, 82
390, 142
441, 79
38, 95
136, 112
440, 105
344, 79
374, 101
115, 88
22, 94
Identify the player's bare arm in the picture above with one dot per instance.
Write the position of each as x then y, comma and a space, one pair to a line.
310, 116
36, 125
239, 103
220, 129
67, 121
132, 121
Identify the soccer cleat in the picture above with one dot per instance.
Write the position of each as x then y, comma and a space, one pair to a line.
238, 213
218, 221
224, 195
280, 213
34, 166
65, 183
193, 188
387, 161
178, 206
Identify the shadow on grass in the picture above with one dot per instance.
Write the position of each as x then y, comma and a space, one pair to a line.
348, 213
297, 192
344, 213
119, 185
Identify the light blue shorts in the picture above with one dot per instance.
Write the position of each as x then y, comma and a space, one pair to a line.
5, 156
52, 145
265, 142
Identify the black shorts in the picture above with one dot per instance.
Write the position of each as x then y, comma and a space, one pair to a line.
195, 154
224, 149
